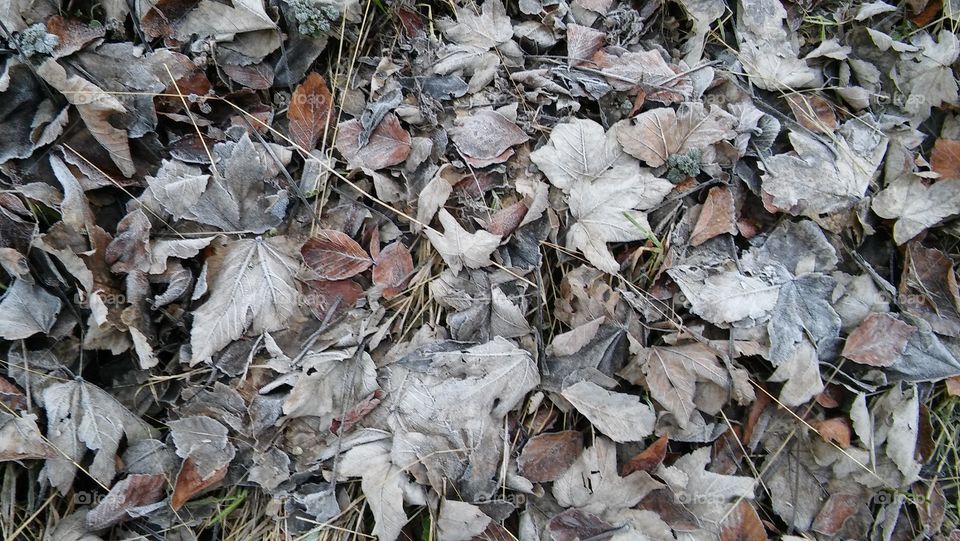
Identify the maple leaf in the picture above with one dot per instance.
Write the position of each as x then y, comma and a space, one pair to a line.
927, 76
592, 484
82, 416
460, 249
660, 133
604, 188
672, 373
917, 206
253, 290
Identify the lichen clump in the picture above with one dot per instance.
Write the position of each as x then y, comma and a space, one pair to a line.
314, 18
681, 166
35, 40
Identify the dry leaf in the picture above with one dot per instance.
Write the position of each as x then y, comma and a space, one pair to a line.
648, 459
389, 143
878, 341
546, 456
592, 484
717, 217
27, 309
813, 112
20, 439
133, 491
660, 133
917, 206
392, 269
310, 111
334, 255
945, 159
485, 137
620, 416
460, 249
254, 290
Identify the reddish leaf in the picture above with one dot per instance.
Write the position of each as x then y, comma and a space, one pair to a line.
928, 289
191, 481
878, 341
392, 269
506, 220
743, 524
953, 385
157, 21
11, 396
73, 34
664, 503
835, 512
582, 43
134, 491
389, 144
946, 158
334, 255
574, 525
356, 413
310, 111
258, 76
648, 459
546, 456
836, 430
813, 112
716, 218
324, 295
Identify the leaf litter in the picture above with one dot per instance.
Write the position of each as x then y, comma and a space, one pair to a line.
547, 269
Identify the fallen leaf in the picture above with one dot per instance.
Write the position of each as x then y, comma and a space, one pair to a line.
592, 484
574, 525
485, 137
621, 417
582, 43
835, 430
191, 480
917, 206
321, 296
660, 133
81, 417
392, 269
546, 456
389, 143
254, 290
333, 255
813, 112
20, 438
717, 217
648, 459
878, 341
743, 524
382, 483
133, 491
726, 297
945, 158
460, 249
27, 309
311, 106
460, 521
928, 288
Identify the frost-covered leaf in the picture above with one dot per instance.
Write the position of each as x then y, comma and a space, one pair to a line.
389, 144
253, 290
382, 483
310, 111
660, 133
483, 28
725, 297
917, 205
133, 491
27, 309
672, 374
20, 438
479, 307
804, 311
460, 249
460, 521
334, 255
605, 188
592, 483
926, 75
546, 456
620, 416
81, 417
485, 137
767, 51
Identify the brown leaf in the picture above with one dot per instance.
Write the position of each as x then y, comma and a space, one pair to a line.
664, 503
310, 111
485, 137
582, 43
953, 385
506, 220
392, 269
717, 217
836, 430
191, 481
258, 76
338, 295
743, 524
928, 289
158, 20
73, 34
134, 491
356, 414
546, 456
946, 158
931, 506
813, 113
835, 512
389, 144
334, 255
878, 341
648, 459
20, 438
11, 396
575, 525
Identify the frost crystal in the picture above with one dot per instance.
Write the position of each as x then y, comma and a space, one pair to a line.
35, 40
